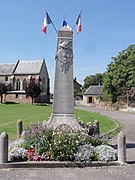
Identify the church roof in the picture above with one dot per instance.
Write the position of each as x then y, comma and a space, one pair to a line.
93, 90
6, 69
29, 67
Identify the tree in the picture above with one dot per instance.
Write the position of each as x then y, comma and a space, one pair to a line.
131, 97
2, 91
120, 75
93, 80
33, 91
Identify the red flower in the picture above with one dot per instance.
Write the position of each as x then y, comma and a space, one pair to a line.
31, 150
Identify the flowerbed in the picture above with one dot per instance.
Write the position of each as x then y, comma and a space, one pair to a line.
39, 143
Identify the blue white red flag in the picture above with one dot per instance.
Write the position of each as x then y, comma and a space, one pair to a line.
78, 23
47, 20
65, 24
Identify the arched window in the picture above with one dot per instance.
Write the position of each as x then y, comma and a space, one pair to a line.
24, 85
18, 84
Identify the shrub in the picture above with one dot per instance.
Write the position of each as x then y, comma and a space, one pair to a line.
105, 153
39, 143
16, 152
38, 138
84, 153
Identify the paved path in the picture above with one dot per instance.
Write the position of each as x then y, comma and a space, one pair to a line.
104, 173
127, 119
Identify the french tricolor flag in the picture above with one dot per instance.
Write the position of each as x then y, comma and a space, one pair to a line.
78, 23
47, 20
65, 24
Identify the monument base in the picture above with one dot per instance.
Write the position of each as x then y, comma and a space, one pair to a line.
56, 122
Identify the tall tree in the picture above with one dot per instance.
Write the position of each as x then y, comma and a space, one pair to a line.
120, 75
93, 80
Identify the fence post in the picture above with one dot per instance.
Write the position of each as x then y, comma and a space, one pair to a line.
19, 128
121, 140
3, 148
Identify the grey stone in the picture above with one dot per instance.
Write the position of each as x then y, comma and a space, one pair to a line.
3, 148
121, 140
63, 104
96, 124
19, 128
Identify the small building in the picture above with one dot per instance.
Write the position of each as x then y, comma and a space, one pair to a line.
92, 94
77, 90
77, 86
20, 76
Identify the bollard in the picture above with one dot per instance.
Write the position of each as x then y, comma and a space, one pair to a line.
3, 148
96, 124
19, 128
121, 140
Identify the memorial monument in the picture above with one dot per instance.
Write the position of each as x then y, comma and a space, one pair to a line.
63, 103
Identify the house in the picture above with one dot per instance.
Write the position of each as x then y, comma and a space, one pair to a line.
19, 76
77, 86
77, 90
92, 94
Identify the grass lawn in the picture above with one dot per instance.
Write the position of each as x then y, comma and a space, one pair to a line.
10, 113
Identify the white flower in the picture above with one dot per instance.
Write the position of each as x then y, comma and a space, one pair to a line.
84, 153
106, 153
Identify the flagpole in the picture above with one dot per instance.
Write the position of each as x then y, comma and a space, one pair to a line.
54, 28
75, 22
73, 26
64, 17
52, 23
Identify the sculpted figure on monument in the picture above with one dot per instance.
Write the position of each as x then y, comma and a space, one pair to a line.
65, 55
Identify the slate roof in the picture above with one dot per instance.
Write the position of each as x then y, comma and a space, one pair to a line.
6, 69
28, 67
77, 83
93, 90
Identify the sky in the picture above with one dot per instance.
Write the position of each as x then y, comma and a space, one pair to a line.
108, 27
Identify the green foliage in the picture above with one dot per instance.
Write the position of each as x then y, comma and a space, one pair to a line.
64, 145
3, 90
120, 75
40, 143
131, 97
33, 91
93, 80
37, 137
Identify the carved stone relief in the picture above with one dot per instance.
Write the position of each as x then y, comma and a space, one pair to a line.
65, 55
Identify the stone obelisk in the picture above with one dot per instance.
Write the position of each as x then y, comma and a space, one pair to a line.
63, 102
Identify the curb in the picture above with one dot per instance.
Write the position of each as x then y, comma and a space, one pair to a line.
56, 164
118, 125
